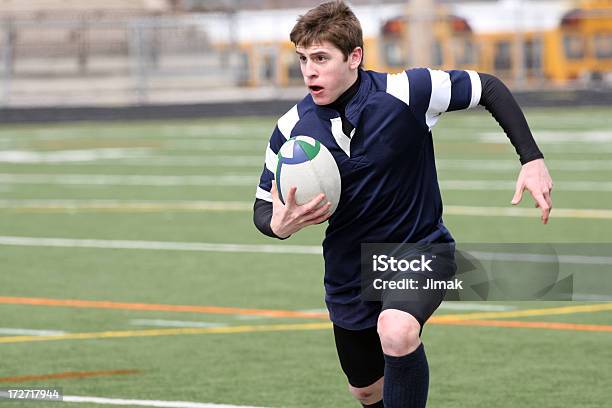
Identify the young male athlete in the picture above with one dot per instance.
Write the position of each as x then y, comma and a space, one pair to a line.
378, 128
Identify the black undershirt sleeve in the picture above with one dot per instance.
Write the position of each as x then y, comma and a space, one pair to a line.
262, 215
497, 99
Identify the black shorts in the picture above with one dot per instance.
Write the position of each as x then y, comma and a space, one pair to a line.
361, 356
360, 352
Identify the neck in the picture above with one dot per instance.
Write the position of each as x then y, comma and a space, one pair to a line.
343, 100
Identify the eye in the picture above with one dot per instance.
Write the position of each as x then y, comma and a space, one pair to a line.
302, 58
321, 58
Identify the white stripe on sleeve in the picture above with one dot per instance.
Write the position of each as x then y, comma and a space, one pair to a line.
287, 122
263, 194
476, 87
271, 159
397, 85
440, 96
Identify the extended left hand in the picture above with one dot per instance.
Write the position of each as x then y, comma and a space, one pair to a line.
535, 178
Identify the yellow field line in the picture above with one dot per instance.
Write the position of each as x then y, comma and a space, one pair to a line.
525, 313
169, 332
135, 207
587, 213
530, 325
292, 327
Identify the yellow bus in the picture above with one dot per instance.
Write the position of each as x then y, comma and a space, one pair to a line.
579, 46
535, 43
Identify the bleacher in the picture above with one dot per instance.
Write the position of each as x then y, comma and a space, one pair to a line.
69, 52
53, 9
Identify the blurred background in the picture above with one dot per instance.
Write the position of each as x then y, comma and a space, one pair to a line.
140, 52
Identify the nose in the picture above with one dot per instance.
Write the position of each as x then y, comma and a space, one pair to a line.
309, 70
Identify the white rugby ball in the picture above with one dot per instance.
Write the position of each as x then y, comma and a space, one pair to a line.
305, 163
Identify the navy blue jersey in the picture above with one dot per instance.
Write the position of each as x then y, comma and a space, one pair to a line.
390, 189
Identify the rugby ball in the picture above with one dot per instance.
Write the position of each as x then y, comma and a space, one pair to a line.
305, 163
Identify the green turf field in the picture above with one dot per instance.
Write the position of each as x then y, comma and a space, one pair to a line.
107, 229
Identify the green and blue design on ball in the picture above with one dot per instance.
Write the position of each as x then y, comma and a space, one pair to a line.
302, 151
307, 164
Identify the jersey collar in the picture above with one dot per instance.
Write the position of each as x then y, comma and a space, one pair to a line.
353, 105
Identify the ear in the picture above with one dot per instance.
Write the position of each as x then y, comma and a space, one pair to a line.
355, 57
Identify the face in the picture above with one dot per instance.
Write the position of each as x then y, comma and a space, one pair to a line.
326, 72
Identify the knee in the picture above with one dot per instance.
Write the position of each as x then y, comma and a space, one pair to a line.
399, 332
368, 395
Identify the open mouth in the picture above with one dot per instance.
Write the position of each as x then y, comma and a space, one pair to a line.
315, 88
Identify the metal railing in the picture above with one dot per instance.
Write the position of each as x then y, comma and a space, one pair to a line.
135, 60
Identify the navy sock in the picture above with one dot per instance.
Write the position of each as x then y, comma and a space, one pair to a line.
378, 404
406, 380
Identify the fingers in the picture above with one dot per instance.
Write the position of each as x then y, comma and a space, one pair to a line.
316, 220
518, 193
314, 203
548, 199
320, 219
535, 178
292, 217
544, 206
545, 215
314, 217
323, 211
290, 199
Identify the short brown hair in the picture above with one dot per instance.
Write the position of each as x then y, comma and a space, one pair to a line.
334, 22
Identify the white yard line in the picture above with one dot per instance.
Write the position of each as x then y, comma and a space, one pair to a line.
589, 297
256, 317
488, 185
497, 166
161, 132
128, 205
159, 246
130, 180
477, 211
556, 137
148, 403
514, 165
173, 323
194, 161
9, 331
132, 157
475, 306
228, 180
284, 249
579, 148
70, 156
541, 258
218, 145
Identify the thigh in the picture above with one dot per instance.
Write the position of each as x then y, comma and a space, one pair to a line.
360, 354
421, 309
428, 290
